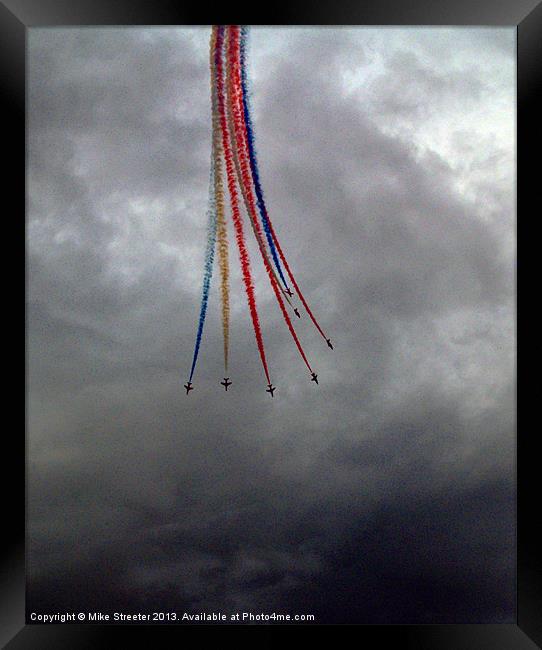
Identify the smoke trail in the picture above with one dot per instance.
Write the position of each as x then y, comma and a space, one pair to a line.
234, 91
261, 203
253, 222
208, 268
236, 214
222, 233
252, 157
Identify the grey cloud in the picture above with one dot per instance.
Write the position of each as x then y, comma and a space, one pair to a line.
392, 477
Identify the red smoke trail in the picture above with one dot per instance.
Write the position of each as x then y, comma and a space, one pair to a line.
292, 279
235, 98
236, 214
289, 272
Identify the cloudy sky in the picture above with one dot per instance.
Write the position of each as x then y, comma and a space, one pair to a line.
383, 495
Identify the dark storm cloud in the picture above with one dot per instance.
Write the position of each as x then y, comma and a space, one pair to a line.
395, 475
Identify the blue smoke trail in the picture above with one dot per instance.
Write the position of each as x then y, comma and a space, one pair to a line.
253, 161
208, 266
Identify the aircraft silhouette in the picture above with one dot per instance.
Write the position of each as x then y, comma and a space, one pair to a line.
328, 341
314, 377
289, 292
188, 387
226, 383
271, 389
297, 313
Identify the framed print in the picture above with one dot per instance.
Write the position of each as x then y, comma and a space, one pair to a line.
318, 202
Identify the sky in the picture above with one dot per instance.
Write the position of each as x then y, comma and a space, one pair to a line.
384, 495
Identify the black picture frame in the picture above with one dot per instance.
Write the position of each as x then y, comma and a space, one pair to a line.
16, 17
